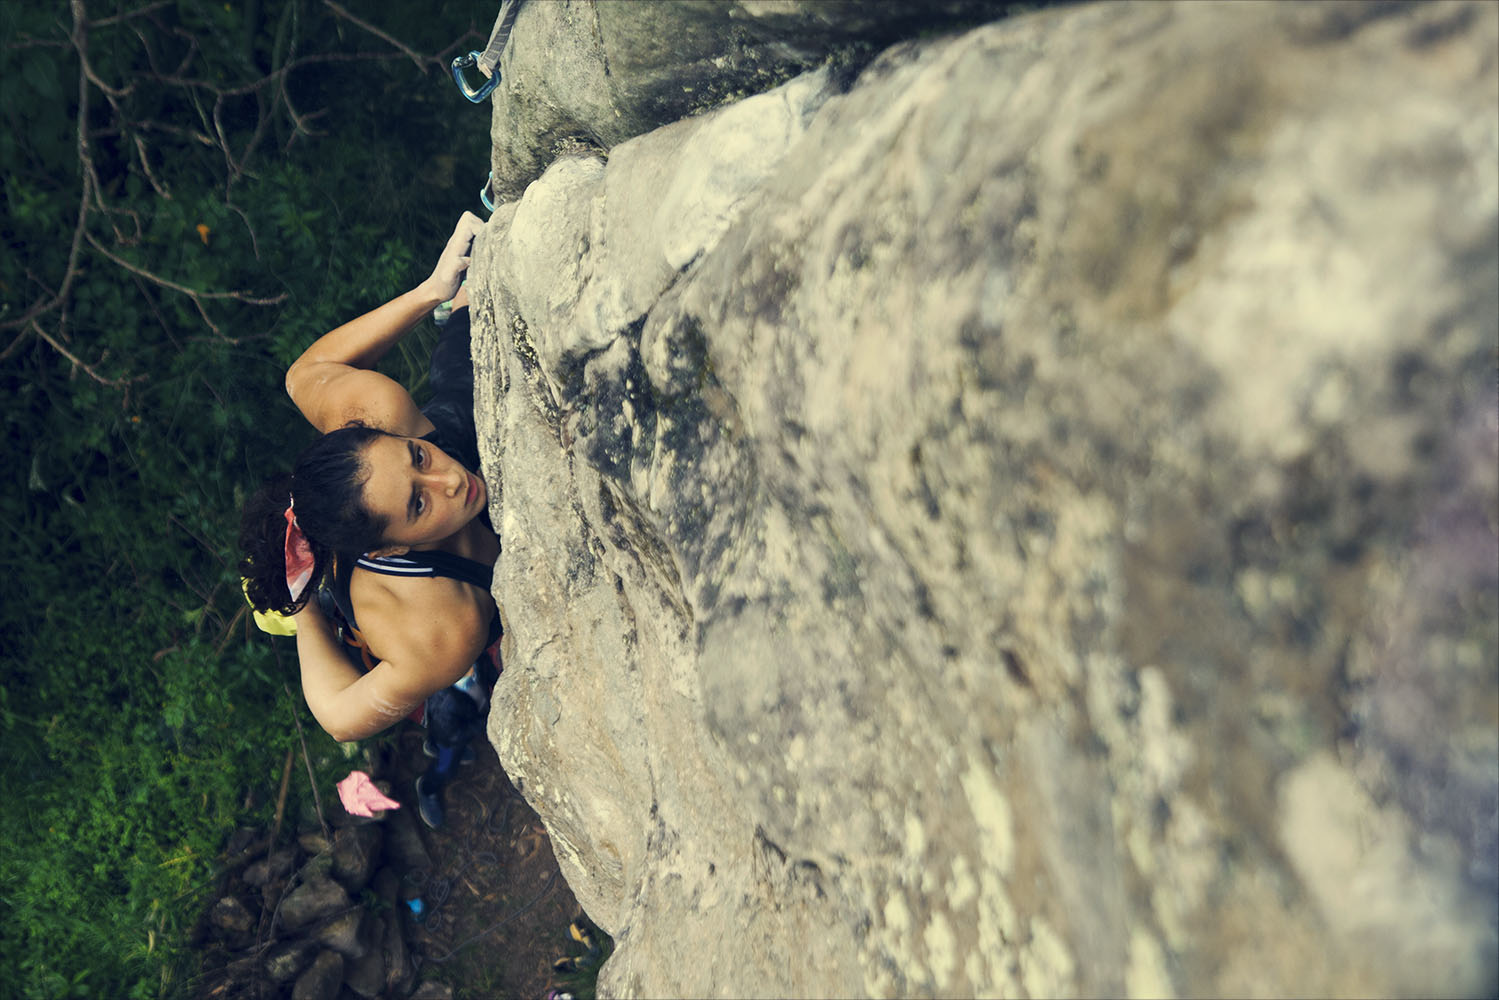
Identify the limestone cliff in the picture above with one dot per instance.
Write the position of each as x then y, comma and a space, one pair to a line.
1023, 520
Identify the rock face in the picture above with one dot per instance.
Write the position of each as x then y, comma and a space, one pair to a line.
1025, 523
595, 74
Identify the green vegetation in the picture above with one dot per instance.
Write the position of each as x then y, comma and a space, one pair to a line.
576, 974
193, 191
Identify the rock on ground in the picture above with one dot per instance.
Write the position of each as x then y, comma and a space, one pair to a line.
1025, 523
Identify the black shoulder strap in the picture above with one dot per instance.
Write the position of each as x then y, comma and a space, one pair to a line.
431, 563
343, 571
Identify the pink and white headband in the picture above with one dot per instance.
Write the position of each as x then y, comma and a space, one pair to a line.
299, 560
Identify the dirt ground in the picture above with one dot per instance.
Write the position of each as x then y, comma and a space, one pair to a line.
498, 909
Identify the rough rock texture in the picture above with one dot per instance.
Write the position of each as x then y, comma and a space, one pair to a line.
583, 72
313, 900
356, 852
322, 980
1026, 525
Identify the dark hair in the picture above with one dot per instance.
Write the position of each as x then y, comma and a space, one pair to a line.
328, 486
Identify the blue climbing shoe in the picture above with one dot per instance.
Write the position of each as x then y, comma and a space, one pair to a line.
430, 749
429, 804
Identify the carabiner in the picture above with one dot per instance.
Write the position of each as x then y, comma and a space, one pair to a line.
484, 195
477, 96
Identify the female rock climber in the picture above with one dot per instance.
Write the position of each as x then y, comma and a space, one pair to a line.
382, 531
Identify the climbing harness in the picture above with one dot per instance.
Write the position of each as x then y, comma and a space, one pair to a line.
488, 61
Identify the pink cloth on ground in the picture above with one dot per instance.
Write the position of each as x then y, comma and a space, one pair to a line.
360, 796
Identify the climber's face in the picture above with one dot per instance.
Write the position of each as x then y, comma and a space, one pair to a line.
425, 495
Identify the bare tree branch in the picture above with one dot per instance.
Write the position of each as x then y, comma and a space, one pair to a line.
315, 60
11, 347
202, 543
299, 122
93, 77
254, 243
317, 799
209, 101
158, 186
78, 362
421, 61
459, 45
218, 130
193, 294
186, 133
150, 8
26, 320
36, 43
151, 302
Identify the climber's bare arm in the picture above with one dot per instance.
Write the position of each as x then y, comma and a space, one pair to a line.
332, 382
427, 643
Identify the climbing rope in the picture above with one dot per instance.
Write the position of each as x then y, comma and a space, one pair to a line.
429, 890
435, 890
488, 61
550, 884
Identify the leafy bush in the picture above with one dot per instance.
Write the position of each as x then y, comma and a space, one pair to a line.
179, 226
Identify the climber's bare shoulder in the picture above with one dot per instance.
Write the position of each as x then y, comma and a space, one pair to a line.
429, 628
334, 395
